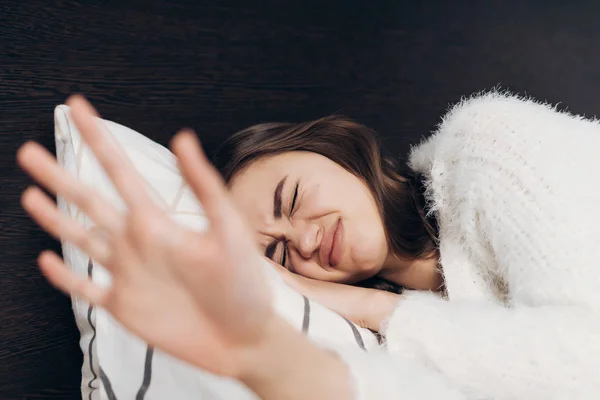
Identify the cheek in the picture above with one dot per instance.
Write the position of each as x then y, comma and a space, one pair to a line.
365, 233
369, 245
371, 242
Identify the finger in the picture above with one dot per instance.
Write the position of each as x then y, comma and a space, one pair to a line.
42, 167
111, 156
275, 265
205, 181
43, 211
61, 277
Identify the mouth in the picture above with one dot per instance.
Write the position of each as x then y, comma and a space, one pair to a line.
332, 248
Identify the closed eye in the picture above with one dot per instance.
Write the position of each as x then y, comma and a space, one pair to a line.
294, 198
284, 256
272, 247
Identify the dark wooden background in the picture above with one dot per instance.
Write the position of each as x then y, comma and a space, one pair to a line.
218, 66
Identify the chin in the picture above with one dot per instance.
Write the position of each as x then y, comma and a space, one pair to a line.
370, 270
362, 271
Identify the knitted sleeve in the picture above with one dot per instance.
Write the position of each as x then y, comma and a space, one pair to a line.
514, 184
380, 376
492, 352
517, 185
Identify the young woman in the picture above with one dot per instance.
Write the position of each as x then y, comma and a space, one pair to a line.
497, 221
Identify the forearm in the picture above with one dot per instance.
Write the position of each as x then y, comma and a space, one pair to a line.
365, 307
288, 366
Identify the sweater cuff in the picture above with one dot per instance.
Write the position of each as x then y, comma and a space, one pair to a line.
377, 375
403, 330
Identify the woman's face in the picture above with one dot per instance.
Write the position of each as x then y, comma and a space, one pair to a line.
312, 216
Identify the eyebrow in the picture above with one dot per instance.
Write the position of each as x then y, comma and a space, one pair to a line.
277, 198
277, 203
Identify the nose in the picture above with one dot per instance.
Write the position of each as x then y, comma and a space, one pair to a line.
306, 238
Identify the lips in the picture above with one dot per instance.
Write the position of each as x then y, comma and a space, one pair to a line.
331, 250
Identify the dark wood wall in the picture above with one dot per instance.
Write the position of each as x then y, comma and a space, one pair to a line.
218, 66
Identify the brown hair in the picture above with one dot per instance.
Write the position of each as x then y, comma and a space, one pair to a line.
410, 231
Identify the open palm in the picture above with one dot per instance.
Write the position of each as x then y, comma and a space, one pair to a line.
200, 296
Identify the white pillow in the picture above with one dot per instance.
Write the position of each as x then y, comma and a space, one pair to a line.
118, 365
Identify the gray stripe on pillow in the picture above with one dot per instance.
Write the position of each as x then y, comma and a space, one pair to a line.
147, 374
306, 318
93, 339
357, 336
107, 386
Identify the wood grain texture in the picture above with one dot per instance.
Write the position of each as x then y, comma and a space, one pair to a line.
218, 66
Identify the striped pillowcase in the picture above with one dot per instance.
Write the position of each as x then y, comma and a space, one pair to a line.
117, 364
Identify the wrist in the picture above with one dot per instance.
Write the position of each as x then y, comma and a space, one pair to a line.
380, 308
286, 364
254, 363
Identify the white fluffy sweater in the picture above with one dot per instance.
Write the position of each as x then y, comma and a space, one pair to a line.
515, 186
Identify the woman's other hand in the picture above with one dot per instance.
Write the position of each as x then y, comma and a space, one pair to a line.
200, 296
368, 308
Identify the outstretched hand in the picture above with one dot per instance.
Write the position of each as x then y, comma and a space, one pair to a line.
200, 296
